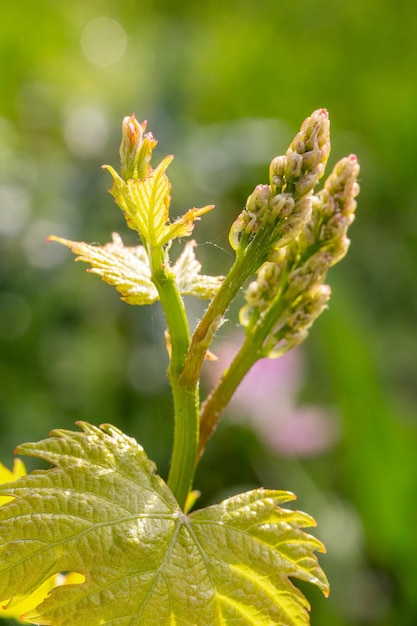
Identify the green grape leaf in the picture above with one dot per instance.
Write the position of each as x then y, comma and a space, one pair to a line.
7, 476
145, 203
103, 512
128, 269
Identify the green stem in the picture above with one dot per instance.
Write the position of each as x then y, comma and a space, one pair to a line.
249, 258
247, 261
186, 402
252, 349
219, 398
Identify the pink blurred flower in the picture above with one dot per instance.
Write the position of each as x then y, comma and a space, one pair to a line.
267, 400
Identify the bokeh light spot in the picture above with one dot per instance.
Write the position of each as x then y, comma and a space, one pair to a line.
14, 203
39, 254
104, 41
86, 130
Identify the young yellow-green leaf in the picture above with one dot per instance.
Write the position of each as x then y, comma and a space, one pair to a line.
128, 269
145, 204
189, 280
103, 512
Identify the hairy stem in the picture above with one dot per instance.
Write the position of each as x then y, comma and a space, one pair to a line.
252, 349
221, 395
247, 261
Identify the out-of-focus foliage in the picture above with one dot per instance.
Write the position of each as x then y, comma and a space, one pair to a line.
33, 599
224, 85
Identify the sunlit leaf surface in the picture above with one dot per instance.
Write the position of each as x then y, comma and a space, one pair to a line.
127, 269
102, 511
145, 203
7, 476
31, 601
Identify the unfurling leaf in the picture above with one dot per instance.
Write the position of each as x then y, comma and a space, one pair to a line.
103, 512
145, 203
128, 269
136, 148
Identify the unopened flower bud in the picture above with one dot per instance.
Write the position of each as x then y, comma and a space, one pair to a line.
318, 264
250, 219
334, 227
342, 184
306, 183
135, 149
281, 205
289, 231
258, 200
306, 311
310, 274
286, 202
294, 165
295, 336
261, 292
236, 231
316, 130
298, 144
340, 249
277, 255
132, 133
323, 204
303, 165
290, 227
277, 172
299, 280
307, 235
309, 159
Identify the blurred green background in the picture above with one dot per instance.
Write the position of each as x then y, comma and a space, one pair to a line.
224, 86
